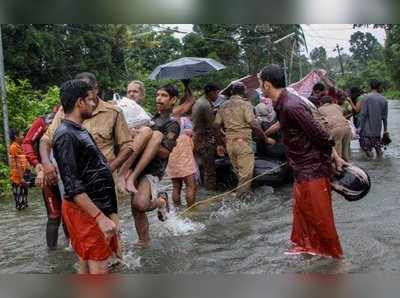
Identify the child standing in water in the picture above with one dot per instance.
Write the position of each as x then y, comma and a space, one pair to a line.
19, 166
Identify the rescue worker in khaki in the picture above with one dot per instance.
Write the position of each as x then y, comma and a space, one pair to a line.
237, 118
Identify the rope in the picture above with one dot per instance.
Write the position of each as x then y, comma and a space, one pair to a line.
232, 190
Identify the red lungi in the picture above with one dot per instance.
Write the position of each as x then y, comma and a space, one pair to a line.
314, 230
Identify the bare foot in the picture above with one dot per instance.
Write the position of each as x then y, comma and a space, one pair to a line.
164, 208
121, 184
130, 184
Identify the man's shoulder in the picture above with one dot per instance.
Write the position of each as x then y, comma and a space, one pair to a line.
110, 107
202, 102
64, 131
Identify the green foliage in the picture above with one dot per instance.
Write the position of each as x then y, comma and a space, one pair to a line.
392, 94
364, 47
24, 105
319, 58
5, 185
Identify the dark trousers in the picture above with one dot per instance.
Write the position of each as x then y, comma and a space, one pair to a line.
205, 156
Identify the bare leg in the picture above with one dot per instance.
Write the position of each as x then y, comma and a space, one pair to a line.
83, 267
98, 267
191, 189
140, 204
139, 144
149, 153
176, 191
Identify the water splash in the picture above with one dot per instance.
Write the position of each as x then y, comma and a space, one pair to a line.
177, 225
131, 261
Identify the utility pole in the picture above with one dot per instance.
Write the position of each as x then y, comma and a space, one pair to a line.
338, 49
284, 58
291, 62
300, 65
285, 69
4, 97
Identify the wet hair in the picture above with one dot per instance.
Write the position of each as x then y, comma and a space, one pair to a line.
273, 74
319, 87
89, 77
14, 133
141, 86
170, 89
238, 89
355, 92
326, 99
70, 91
211, 87
375, 84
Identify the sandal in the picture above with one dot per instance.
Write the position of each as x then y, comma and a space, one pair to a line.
162, 212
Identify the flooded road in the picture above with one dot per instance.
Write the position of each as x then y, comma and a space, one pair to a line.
231, 236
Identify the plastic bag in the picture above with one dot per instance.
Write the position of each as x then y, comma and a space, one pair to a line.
134, 114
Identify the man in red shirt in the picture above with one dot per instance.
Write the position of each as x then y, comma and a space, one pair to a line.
309, 150
51, 193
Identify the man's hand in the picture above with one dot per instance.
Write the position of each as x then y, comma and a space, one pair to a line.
269, 141
220, 151
338, 163
134, 132
50, 174
107, 226
24, 184
38, 168
39, 181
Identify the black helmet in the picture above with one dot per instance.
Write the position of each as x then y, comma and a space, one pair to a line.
353, 183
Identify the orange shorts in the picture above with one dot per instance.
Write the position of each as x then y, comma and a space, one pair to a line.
87, 240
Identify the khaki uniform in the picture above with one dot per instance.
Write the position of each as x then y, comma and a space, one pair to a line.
339, 129
110, 132
107, 126
236, 116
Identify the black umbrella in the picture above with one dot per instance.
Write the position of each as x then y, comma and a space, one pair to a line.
185, 68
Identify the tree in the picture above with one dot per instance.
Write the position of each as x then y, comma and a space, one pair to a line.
319, 58
52, 53
364, 47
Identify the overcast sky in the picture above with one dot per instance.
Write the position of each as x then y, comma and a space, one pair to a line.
326, 35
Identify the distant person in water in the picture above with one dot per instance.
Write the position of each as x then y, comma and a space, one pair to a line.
19, 167
374, 113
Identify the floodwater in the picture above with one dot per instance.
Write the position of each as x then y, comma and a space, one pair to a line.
229, 236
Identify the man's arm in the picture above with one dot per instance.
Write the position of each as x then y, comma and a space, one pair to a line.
363, 113
50, 172
106, 225
255, 125
385, 116
274, 128
123, 142
312, 128
186, 103
34, 134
